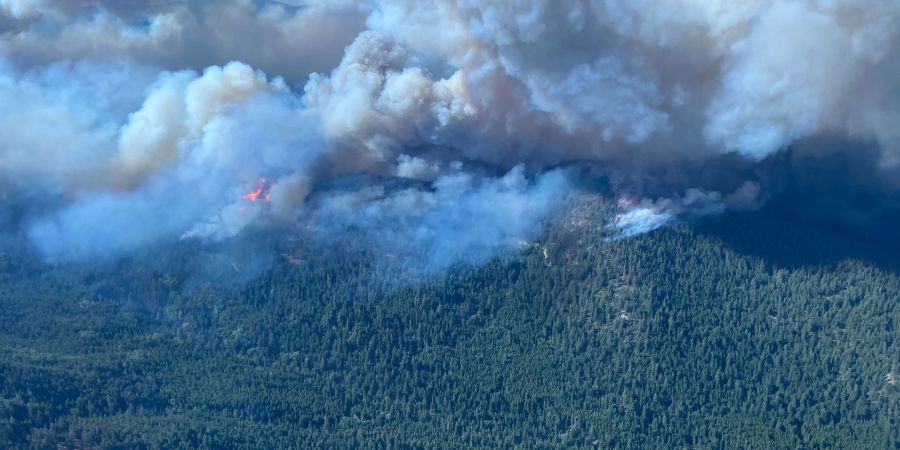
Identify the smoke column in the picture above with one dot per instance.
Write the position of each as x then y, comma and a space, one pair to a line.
452, 128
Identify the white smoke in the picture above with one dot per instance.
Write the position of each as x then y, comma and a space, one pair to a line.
463, 218
647, 215
435, 126
21, 9
273, 36
640, 220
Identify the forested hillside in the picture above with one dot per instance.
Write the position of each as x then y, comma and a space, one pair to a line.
740, 332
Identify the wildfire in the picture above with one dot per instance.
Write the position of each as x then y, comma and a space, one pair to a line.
261, 193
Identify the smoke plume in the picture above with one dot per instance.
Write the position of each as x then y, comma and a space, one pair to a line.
445, 128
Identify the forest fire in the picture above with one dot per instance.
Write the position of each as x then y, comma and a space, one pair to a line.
261, 193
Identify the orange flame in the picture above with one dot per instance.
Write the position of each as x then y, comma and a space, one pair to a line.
260, 193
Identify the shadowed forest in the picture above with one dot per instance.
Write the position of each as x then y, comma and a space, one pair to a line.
741, 332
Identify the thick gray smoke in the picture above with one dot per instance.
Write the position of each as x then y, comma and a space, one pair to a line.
450, 128
276, 37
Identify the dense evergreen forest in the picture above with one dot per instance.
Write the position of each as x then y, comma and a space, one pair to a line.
745, 331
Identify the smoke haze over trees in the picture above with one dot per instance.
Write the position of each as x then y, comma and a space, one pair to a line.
131, 124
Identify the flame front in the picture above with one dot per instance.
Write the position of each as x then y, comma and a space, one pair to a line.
261, 193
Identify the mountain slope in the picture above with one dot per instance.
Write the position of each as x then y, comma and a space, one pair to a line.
747, 332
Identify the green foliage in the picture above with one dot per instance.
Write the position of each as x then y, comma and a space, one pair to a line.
748, 333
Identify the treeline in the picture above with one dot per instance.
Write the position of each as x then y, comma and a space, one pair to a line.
741, 333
